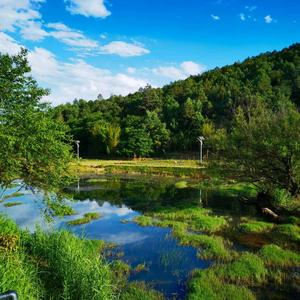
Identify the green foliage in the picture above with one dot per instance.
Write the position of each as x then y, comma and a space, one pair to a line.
59, 208
275, 256
87, 218
265, 146
181, 111
33, 147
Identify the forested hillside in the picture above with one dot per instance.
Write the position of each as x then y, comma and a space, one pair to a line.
153, 121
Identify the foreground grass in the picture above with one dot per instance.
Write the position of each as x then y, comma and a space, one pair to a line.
59, 265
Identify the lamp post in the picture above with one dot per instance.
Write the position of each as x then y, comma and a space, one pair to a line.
200, 139
77, 144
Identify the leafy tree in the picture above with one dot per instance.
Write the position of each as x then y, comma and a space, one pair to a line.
111, 137
33, 147
266, 146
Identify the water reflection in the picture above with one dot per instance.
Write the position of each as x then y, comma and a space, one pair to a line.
119, 199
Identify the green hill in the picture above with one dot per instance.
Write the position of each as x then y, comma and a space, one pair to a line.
156, 120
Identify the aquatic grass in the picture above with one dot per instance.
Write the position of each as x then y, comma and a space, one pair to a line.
11, 204
205, 284
288, 231
13, 195
212, 247
253, 226
87, 218
273, 255
144, 221
198, 219
138, 291
247, 269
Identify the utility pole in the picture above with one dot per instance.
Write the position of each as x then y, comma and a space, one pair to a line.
200, 139
77, 144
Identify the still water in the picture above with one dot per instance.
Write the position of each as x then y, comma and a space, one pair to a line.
119, 200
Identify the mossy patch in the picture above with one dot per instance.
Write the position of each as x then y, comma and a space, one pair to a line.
273, 255
88, 217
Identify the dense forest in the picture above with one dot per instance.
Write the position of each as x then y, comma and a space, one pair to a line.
154, 121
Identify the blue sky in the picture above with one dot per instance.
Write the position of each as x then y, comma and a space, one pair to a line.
80, 48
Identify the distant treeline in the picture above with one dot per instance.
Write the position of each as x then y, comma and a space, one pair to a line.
154, 121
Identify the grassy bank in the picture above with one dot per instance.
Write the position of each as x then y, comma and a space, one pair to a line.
162, 167
59, 265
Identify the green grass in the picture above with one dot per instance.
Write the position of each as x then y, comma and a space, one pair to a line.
87, 218
253, 226
287, 231
273, 255
247, 269
59, 265
10, 204
140, 291
162, 167
205, 284
212, 247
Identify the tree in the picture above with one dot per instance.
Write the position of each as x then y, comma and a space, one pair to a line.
266, 146
111, 137
33, 147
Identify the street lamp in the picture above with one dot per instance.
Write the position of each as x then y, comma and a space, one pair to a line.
200, 139
77, 144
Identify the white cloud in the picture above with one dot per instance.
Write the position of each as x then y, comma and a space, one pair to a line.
242, 17
70, 80
17, 13
70, 36
184, 70
8, 45
192, 68
78, 79
88, 8
33, 31
216, 18
124, 49
131, 70
268, 19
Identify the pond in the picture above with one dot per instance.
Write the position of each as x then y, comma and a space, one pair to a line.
119, 200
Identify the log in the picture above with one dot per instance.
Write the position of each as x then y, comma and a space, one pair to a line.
269, 212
